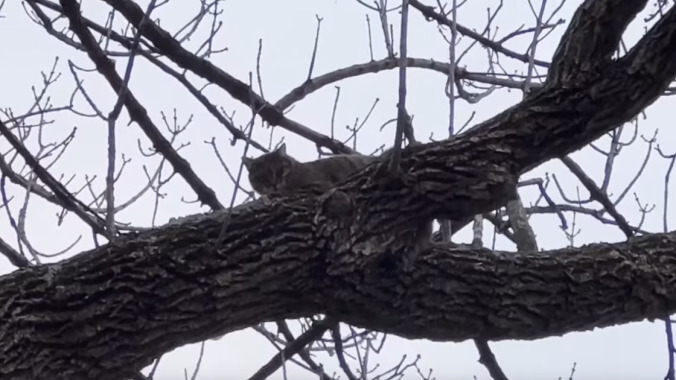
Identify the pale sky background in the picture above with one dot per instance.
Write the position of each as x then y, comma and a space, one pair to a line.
287, 29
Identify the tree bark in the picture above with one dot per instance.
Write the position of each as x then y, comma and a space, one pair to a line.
109, 312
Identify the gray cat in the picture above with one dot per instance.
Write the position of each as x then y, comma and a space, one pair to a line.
277, 172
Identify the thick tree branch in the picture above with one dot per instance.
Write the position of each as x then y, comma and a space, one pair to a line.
160, 289
591, 38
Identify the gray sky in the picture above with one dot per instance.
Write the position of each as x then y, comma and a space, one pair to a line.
287, 29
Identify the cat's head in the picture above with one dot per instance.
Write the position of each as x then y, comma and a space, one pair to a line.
268, 173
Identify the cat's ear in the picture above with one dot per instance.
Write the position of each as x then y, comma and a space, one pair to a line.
281, 150
247, 162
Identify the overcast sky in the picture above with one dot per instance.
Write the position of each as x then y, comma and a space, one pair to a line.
287, 29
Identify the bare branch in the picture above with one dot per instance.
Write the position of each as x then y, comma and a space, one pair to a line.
431, 14
66, 199
596, 194
487, 358
136, 110
309, 87
313, 333
12, 255
402, 114
169, 47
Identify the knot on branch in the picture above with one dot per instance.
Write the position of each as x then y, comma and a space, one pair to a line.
364, 226
335, 204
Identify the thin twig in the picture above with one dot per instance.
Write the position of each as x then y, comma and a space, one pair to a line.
431, 14
402, 115
596, 194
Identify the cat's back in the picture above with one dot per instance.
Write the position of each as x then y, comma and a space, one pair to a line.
329, 171
340, 167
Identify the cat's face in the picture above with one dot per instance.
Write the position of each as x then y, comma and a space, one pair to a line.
268, 172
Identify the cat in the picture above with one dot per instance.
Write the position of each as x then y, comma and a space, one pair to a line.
277, 172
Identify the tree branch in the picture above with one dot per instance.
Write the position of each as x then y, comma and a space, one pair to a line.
431, 14
487, 358
296, 346
12, 255
148, 54
591, 38
373, 67
239, 90
136, 111
161, 289
598, 195
65, 198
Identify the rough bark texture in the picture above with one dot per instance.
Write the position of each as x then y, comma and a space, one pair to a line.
107, 313
110, 311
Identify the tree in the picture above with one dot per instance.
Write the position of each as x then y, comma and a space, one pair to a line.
108, 312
